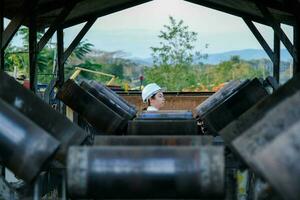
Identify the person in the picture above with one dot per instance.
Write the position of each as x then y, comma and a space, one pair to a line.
152, 95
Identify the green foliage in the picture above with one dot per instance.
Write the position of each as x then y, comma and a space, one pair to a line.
174, 60
82, 49
205, 77
17, 57
174, 67
174, 78
176, 46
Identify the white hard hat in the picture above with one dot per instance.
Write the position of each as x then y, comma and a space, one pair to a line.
149, 90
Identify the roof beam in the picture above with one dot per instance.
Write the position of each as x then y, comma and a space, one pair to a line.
17, 21
11, 30
294, 6
275, 4
260, 38
78, 38
53, 5
277, 29
229, 10
104, 12
54, 26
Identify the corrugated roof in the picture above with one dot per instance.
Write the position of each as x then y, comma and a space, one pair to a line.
48, 10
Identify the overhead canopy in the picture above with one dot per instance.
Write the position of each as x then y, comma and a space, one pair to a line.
48, 10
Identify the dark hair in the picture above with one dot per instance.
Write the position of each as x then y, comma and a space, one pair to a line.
152, 97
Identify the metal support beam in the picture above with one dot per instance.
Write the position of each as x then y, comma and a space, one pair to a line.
260, 38
11, 30
60, 55
78, 38
276, 62
278, 31
1, 34
119, 7
17, 21
55, 25
296, 67
32, 52
229, 10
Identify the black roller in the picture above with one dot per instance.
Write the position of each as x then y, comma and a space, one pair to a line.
94, 111
145, 172
152, 140
228, 109
274, 123
112, 103
215, 99
279, 163
41, 114
238, 126
24, 147
114, 97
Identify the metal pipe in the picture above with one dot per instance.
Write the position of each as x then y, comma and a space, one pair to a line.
145, 172
41, 114
24, 147
152, 140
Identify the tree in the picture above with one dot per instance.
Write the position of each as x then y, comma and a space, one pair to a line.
176, 45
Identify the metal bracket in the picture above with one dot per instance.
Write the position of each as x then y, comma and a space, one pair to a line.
54, 26
278, 31
17, 21
260, 38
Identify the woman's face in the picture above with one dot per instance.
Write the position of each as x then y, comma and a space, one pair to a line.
158, 101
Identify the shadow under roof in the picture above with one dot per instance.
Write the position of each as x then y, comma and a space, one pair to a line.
48, 10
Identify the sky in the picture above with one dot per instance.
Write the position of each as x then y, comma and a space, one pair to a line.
135, 30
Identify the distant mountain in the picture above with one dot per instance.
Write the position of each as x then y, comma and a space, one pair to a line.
245, 54
143, 61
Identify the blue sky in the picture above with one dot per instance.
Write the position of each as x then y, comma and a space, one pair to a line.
135, 30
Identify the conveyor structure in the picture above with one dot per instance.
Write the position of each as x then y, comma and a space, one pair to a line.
163, 154
242, 143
